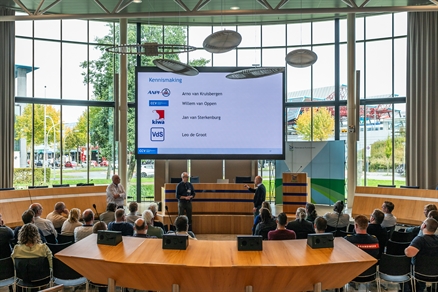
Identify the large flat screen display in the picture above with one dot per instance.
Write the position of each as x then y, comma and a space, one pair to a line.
208, 116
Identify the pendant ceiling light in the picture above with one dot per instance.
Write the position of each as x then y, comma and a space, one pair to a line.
255, 72
301, 58
222, 41
175, 67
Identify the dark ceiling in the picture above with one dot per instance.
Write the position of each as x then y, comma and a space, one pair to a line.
207, 12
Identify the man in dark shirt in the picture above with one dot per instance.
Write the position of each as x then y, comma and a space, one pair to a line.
375, 228
120, 224
364, 241
259, 194
424, 246
6, 236
185, 193
281, 233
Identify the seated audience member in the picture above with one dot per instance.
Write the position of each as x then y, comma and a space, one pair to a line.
6, 237
69, 225
120, 224
29, 244
281, 233
258, 218
45, 225
28, 216
182, 227
300, 225
375, 228
141, 229
320, 225
267, 224
100, 225
432, 214
154, 208
58, 215
110, 214
426, 210
368, 243
337, 219
152, 230
424, 246
86, 229
311, 212
132, 216
389, 220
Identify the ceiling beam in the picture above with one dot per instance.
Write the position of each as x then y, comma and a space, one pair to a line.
225, 13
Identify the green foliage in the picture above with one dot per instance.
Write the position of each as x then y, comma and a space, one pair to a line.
323, 124
379, 159
23, 176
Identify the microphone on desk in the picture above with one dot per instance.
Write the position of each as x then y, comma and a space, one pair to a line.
299, 168
171, 223
94, 206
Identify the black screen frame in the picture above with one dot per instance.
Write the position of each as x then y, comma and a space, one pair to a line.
211, 156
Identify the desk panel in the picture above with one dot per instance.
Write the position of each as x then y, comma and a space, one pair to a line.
13, 203
288, 265
408, 203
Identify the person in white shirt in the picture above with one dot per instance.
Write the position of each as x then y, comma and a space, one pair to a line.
83, 231
46, 226
69, 225
389, 220
115, 193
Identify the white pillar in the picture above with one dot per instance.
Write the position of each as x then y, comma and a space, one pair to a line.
123, 108
351, 105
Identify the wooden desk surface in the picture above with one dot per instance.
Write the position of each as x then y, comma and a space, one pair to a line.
217, 265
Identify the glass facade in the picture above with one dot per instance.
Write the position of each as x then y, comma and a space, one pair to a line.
65, 92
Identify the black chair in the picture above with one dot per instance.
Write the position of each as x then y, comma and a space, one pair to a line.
396, 248
64, 275
58, 229
390, 230
7, 189
386, 186
194, 179
7, 272
395, 269
367, 277
51, 238
409, 187
242, 179
402, 236
65, 238
425, 269
37, 187
84, 184
32, 272
175, 180
58, 246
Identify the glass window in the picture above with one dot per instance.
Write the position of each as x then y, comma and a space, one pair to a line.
73, 87
48, 29
299, 34
23, 28
248, 57
273, 35
23, 64
98, 29
48, 74
225, 59
379, 26
197, 35
293, 113
250, 36
273, 57
400, 67
379, 69
74, 30
400, 24
323, 72
323, 32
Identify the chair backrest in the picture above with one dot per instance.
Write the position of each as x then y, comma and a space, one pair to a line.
51, 238
426, 265
175, 180
402, 236
64, 272
386, 186
394, 265
65, 238
6, 269
194, 179
409, 187
56, 247
32, 269
62, 186
396, 248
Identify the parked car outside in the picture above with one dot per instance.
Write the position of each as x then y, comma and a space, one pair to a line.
71, 164
147, 170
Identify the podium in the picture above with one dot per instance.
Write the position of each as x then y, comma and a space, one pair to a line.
296, 191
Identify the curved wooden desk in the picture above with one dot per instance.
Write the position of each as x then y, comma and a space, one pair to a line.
13, 203
216, 265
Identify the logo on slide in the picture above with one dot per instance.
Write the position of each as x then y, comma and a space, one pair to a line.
165, 92
159, 118
157, 134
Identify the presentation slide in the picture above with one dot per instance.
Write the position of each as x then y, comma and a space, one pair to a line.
209, 116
